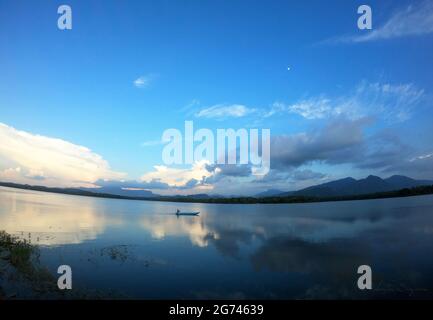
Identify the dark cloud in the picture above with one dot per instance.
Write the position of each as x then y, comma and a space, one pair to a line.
232, 170
306, 174
287, 175
189, 184
345, 141
387, 152
225, 172
420, 167
385, 149
274, 176
340, 141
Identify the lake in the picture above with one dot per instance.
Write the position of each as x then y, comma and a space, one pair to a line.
140, 249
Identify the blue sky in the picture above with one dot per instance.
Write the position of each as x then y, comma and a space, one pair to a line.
195, 58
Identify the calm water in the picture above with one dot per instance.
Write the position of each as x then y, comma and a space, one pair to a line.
138, 249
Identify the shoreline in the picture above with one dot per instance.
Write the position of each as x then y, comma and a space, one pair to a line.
21, 275
401, 193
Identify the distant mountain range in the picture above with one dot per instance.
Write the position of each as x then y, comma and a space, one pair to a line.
269, 193
350, 186
119, 191
139, 193
372, 187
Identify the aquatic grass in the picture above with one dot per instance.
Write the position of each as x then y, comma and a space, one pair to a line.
24, 257
26, 271
20, 252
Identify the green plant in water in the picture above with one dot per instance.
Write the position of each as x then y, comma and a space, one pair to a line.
24, 256
20, 252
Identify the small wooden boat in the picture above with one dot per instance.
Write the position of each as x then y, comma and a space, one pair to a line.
187, 213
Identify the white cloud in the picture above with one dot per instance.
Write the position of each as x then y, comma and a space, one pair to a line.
37, 159
10, 174
390, 102
413, 20
315, 108
221, 111
422, 157
143, 81
190, 106
178, 178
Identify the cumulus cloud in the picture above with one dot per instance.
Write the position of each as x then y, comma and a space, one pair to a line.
344, 141
202, 177
26, 157
233, 170
221, 111
10, 174
180, 178
221, 171
339, 141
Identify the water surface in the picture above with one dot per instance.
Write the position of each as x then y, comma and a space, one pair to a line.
140, 249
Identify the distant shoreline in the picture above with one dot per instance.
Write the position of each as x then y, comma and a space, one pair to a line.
407, 192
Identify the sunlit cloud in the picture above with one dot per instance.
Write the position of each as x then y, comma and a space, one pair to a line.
31, 158
180, 179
